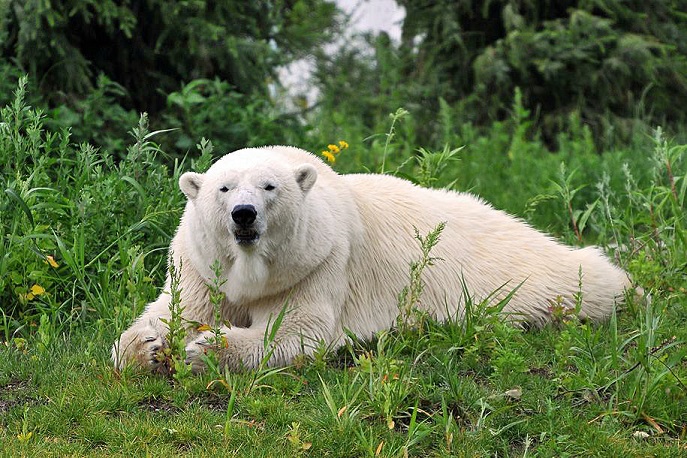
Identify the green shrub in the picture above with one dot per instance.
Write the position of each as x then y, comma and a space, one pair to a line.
212, 109
76, 225
617, 68
97, 64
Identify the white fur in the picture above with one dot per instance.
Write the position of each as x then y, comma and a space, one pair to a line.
337, 250
247, 277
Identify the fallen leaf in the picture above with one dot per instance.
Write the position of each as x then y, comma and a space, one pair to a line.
50, 260
653, 423
379, 448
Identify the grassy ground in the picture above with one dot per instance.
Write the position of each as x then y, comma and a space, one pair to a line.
83, 241
450, 390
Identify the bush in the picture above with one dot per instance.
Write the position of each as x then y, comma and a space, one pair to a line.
616, 67
212, 109
99, 63
73, 220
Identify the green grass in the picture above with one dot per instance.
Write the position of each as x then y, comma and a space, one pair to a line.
575, 391
473, 388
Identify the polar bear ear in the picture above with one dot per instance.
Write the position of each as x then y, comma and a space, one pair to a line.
306, 175
190, 183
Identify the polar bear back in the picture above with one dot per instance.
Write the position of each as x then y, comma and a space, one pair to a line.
490, 250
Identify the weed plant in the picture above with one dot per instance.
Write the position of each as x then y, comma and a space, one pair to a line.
84, 239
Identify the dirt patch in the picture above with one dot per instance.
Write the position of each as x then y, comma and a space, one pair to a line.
211, 401
544, 372
13, 386
7, 405
16, 393
153, 404
208, 401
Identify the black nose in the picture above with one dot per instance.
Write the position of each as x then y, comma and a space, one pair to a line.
244, 215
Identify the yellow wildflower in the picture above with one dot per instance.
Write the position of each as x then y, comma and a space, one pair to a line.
36, 290
50, 260
329, 156
333, 150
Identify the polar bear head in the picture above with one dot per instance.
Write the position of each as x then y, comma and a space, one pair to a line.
248, 194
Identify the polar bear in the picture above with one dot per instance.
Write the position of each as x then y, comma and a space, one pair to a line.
335, 250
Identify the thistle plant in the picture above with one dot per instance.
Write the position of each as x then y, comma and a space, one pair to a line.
395, 117
218, 339
409, 298
173, 357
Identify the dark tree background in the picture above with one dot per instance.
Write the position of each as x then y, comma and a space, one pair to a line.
208, 68
135, 53
614, 65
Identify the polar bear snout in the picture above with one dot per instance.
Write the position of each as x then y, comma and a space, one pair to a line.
244, 215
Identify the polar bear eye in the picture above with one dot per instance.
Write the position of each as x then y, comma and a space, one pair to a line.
223, 189
269, 187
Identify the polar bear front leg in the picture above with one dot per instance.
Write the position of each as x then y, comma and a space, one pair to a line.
244, 348
312, 316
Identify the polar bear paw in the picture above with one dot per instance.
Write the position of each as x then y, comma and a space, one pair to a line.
197, 348
143, 346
